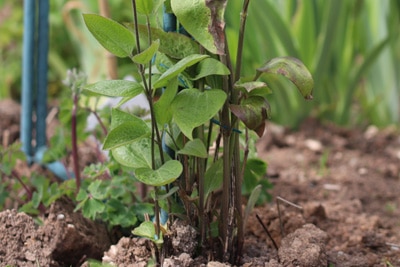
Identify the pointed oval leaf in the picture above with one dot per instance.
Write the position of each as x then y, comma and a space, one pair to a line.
294, 70
147, 230
162, 108
178, 68
126, 133
166, 174
191, 108
146, 7
253, 112
213, 178
145, 56
115, 88
253, 88
210, 66
119, 117
255, 194
195, 148
136, 154
173, 44
204, 21
110, 34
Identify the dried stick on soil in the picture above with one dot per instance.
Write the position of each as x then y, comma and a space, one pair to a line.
268, 233
279, 211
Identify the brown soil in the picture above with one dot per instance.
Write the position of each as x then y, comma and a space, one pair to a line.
345, 184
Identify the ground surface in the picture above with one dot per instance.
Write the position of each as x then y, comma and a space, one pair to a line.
345, 182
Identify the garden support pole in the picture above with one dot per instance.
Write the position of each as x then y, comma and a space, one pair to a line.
34, 84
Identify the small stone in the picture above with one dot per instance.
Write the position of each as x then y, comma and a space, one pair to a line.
371, 132
362, 171
313, 145
332, 187
30, 256
216, 264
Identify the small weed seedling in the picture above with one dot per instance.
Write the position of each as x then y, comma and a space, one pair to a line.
193, 152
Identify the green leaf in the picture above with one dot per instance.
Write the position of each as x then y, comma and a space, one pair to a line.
191, 108
126, 133
173, 44
213, 178
210, 66
163, 196
111, 35
166, 174
179, 67
253, 88
255, 194
162, 108
82, 195
204, 23
145, 56
253, 112
144, 7
147, 230
195, 148
96, 190
119, 117
294, 70
115, 88
92, 207
136, 154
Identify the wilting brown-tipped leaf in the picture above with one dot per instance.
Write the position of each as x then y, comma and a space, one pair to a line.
253, 88
294, 70
204, 20
253, 112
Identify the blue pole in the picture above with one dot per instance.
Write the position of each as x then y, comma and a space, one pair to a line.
28, 58
41, 98
34, 83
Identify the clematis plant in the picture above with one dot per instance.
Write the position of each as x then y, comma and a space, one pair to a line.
190, 151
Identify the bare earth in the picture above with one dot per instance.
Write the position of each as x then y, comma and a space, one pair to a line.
345, 182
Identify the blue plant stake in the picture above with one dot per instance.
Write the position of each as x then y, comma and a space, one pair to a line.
34, 84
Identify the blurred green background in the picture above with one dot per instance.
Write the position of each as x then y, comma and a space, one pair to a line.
352, 48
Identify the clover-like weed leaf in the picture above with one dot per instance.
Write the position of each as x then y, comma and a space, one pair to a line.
253, 112
191, 108
111, 35
294, 70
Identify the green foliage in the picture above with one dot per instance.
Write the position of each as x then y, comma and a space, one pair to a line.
183, 119
111, 35
350, 47
111, 200
187, 10
10, 48
192, 108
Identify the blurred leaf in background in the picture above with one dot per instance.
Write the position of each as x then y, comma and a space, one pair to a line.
351, 47
10, 48
70, 45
